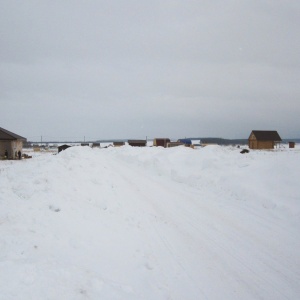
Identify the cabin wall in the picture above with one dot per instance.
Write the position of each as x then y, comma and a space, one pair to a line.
16, 147
174, 144
12, 147
265, 145
118, 144
5, 145
137, 144
254, 144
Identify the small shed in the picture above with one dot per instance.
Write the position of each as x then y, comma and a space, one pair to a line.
162, 142
36, 148
174, 144
118, 144
63, 147
291, 144
11, 144
263, 139
137, 143
96, 145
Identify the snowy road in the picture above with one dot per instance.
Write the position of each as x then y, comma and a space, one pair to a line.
150, 224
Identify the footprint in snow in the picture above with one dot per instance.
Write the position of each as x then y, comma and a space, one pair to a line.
148, 266
53, 208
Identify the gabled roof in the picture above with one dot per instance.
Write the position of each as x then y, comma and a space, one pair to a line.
266, 135
7, 135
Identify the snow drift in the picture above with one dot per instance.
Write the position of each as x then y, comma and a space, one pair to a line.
151, 223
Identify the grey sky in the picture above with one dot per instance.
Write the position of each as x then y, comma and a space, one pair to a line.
159, 68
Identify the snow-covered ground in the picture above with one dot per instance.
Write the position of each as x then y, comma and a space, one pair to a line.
151, 223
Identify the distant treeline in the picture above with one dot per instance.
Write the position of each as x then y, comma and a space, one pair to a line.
221, 141
205, 140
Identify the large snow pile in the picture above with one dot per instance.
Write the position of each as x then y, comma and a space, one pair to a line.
151, 223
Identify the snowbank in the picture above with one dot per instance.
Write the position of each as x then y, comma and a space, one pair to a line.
151, 223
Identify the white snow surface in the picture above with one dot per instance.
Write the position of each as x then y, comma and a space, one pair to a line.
151, 223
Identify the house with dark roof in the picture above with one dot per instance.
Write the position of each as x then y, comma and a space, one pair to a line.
137, 143
11, 144
263, 139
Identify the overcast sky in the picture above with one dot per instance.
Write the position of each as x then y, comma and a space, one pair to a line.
160, 68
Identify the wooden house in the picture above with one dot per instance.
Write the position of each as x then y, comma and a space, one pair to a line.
11, 144
162, 142
263, 139
137, 143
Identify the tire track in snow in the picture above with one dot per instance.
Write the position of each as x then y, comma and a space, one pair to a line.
150, 217
215, 244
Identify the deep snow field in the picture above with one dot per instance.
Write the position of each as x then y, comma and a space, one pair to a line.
151, 223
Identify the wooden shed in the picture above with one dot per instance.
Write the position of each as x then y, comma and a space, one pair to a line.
118, 144
11, 144
174, 144
263, 139
137, 143
291, 144
162, 142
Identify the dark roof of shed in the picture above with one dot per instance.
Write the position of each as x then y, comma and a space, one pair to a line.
137, 141
266, 135
7, 135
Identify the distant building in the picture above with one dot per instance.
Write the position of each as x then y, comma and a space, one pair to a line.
118, 144
291, 144
263, 139
63, 147
11, 144
186, 142
137, 143
96, 145
174, 144
162, 142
